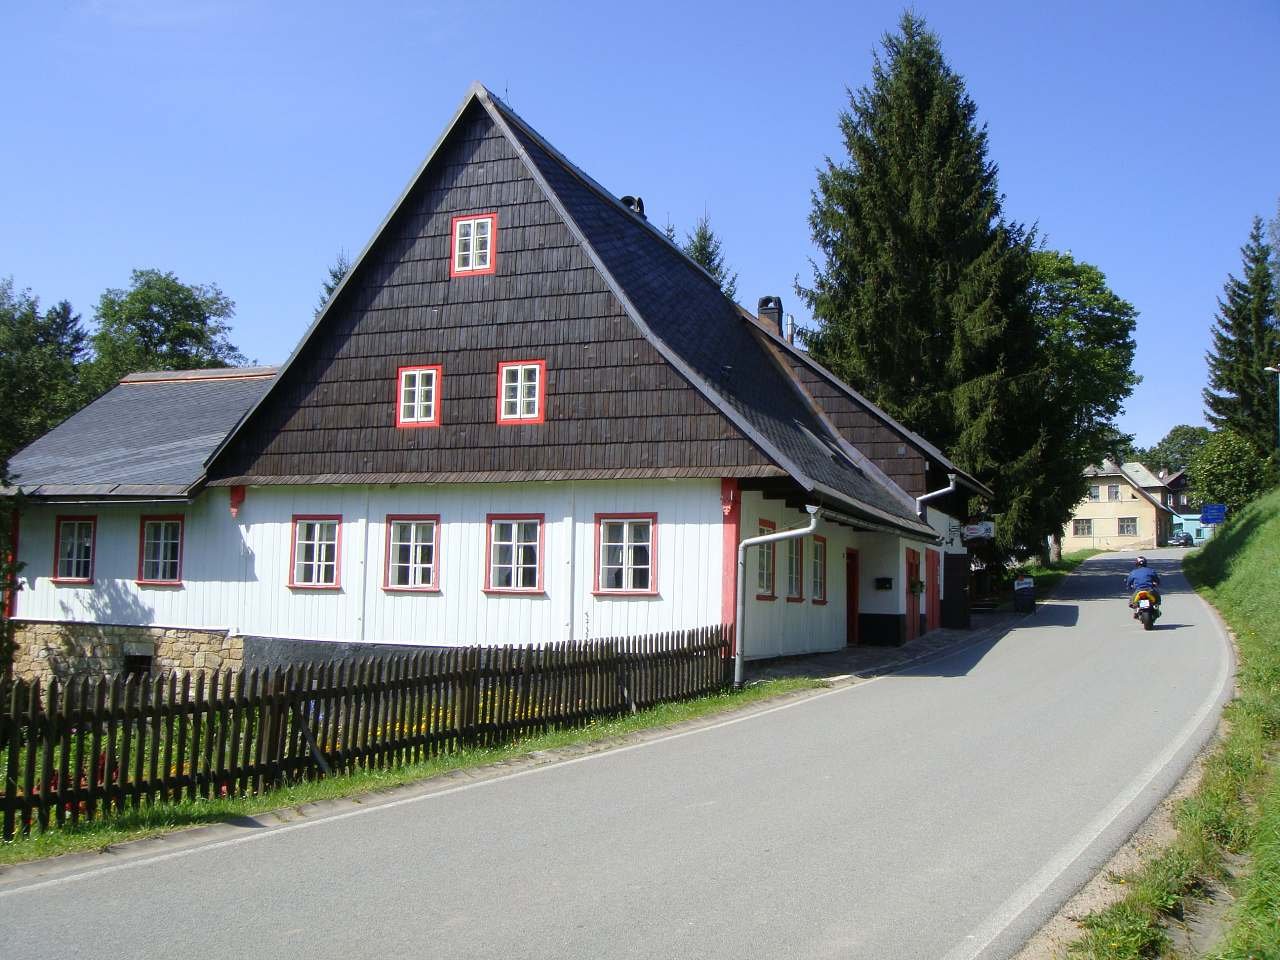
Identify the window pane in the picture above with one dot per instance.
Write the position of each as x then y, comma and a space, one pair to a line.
529, 531
640, 579
613, 578
640, 531
613, 532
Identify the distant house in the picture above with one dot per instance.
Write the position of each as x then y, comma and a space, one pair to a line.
1186, 508
523, 417
1126, 507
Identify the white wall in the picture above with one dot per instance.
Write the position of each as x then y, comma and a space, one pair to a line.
235, 571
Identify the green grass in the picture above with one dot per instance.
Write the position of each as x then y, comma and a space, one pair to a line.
165, 818
1048, 577
1237, 804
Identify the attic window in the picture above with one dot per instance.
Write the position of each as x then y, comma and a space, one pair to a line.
475, 245
418, 396
522, 391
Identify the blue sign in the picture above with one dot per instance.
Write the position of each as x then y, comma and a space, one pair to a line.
1213, 513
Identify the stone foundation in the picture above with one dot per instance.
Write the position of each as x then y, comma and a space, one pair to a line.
47, 649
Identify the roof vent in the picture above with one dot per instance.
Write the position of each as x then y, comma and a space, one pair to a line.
769, 311
635, 205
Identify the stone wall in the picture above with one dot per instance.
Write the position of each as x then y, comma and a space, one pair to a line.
47, 649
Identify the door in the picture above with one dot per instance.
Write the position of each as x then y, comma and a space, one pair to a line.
851, 597
933, 590
912, 598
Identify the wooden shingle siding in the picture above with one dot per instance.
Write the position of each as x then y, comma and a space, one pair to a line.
613, 403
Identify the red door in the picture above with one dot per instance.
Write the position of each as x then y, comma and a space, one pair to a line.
913, 599
851, 597
933, 590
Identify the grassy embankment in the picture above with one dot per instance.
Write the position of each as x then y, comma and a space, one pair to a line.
165, 818
1237, 805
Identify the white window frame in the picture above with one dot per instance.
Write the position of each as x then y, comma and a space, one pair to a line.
766, 568
1113, 491
314, 568
818, 573
517, 545
1086, 523
474, 259
160, 562
1095, 493
1120, 530
795, 570
521, 398
423, 573
630, 548
417, 406
78, 562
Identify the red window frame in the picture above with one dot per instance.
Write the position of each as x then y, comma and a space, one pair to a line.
652, 591
821, 599
542, 393
492, 217
438, 369
58, 521
489, 521
767, 527
337, 555
796, 597
142, 548
393, 518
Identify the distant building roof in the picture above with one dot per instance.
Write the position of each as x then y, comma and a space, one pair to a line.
1135, 474
148, 436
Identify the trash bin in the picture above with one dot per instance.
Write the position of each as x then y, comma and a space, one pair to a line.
1024, 595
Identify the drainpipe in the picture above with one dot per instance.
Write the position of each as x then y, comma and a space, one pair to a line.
739, 654
949, 488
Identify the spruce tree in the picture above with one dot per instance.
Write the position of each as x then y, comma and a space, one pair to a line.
338, 271
923, 296
1241, 395
703, 247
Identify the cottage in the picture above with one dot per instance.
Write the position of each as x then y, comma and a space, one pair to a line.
1126, 507
524, 417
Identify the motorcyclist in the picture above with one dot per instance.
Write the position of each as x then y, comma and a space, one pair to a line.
1142, 577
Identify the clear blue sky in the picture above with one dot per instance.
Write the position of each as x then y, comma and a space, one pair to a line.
246, 143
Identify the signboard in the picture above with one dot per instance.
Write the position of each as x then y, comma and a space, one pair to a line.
1213, 513
983, 530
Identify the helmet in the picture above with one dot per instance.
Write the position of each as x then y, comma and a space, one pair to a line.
1142, 561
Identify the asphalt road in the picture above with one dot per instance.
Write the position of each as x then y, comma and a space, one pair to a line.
943, 812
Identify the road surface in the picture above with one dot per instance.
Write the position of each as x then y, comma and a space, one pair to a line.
942, 812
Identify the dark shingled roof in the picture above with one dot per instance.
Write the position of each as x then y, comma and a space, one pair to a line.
147, 436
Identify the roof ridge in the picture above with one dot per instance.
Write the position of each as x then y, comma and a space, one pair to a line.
212, 373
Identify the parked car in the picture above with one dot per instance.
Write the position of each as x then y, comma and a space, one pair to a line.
1182, 539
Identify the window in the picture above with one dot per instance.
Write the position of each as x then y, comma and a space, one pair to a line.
160, 550
1182, 499
313, 564
1113, 491
764, 564
626, 547
522, 391
1128, 526
818, 575
795, 570
1093, 493
418, 396
1082, 528
515, 553
475, 245
74, 556
412, 549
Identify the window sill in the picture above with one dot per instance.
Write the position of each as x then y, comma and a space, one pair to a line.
795, 599
390, 589
518, 591
416, 425
766, 596
520, 421
158, 583
72, 582
330, 587
624, 593
818, 603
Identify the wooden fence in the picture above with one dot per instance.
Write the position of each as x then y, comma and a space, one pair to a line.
93, 748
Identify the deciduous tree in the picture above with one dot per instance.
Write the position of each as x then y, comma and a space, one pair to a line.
1227, 469
1178, 448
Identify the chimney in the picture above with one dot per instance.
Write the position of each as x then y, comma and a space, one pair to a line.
635, 205
769, 312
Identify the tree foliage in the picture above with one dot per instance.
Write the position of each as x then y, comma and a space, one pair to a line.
338, 271
1227, 469
1241, 396
41, 367
161, 323
1176, 450
10, 567
923, 298
704, 248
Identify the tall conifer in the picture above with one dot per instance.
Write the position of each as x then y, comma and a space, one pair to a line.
1241, 395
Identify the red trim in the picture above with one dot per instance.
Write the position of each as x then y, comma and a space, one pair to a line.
57, 543
820, 600
489, 521
142, 539
731, 511
236, 500
542, 394
768, 526
337, 555
492, 217
434, 587
435, 396
798, 597
599, 591
11, 594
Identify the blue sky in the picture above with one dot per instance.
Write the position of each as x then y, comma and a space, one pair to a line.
246, 143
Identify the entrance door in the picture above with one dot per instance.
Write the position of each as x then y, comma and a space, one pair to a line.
933, 590
851, 597
913, 599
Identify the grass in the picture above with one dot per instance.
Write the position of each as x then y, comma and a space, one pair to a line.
1237, 804
165, 818
1048, 577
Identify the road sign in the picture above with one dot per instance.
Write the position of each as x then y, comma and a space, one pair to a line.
1213, 513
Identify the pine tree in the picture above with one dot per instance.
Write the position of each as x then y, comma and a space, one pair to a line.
1241, 395
703, 247
923, 298
338, 271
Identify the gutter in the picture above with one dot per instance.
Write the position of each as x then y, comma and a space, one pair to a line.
945, 491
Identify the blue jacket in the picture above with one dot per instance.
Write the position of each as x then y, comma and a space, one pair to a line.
1142, 577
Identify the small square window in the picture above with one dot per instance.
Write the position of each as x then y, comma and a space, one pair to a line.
625, 558
418, 396
314, 563
522, 391
1127, 526
474, 245
74, 554
412, 551
160, 552
1113, 491
515, 554
1094, 493
1082, 528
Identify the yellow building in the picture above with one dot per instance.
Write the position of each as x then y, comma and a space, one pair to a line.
1127, 507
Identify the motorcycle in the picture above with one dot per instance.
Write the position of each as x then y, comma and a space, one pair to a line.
1146, 607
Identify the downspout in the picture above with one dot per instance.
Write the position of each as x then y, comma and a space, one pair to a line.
948, 489
741, 620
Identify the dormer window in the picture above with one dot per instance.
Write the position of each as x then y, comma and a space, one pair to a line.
522, 391
474, 245
418, 396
